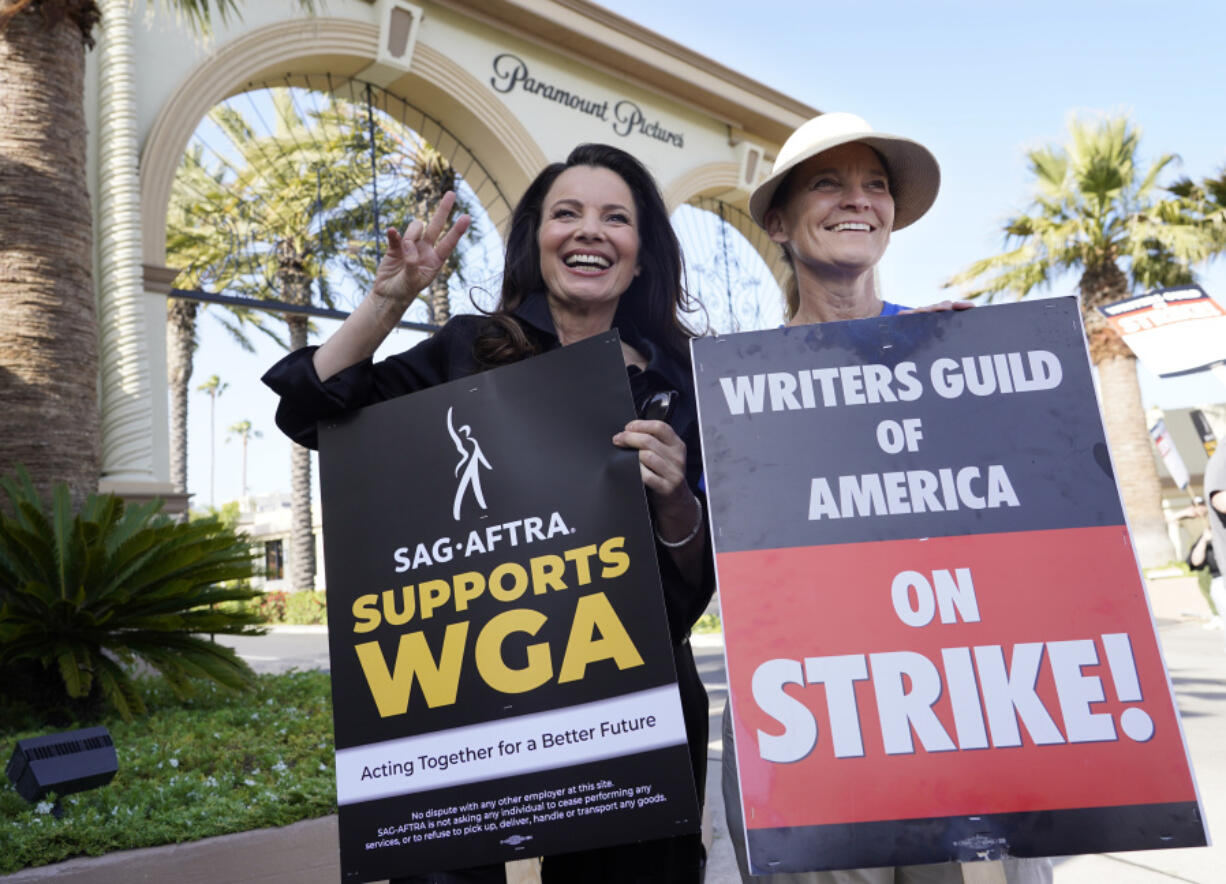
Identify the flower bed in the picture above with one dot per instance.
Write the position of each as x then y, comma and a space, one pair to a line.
217, 763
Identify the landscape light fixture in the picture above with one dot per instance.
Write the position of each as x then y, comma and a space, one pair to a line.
63, 763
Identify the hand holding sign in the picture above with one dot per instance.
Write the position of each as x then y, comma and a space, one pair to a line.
661, 460
940, 307
679, 514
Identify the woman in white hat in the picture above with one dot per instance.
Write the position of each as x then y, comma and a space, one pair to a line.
837, 191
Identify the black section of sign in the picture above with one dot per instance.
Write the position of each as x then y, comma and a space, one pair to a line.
1048, 443
1155, 298
987, 836
389, 480
593, 793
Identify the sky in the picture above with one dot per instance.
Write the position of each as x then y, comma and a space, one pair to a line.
978, 83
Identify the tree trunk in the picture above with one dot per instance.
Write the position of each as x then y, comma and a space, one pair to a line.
48, 323
295, 285
440, 298
246, 436
213, 394
1132, 453
1124, 417
180, 349
433, 176
302, 535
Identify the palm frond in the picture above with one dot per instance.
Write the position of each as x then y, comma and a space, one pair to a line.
1092, 205
124, 579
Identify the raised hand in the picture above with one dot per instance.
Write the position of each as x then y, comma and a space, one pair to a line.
413, 259
411, 263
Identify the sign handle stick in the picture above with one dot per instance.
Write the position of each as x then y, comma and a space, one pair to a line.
524, 871
984, 872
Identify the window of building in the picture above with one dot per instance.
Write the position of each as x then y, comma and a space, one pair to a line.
274, 560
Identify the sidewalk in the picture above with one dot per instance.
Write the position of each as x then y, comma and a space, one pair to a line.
1196, 661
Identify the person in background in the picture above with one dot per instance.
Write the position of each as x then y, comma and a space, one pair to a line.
837, 191
1215, 497
589, 248
1200, 556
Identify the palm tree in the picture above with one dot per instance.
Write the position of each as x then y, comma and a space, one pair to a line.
203, 258
48, 323
214, 387
1096, 211
1208, 198
243, 431
433, 176
273, 216
287, 214
180, 350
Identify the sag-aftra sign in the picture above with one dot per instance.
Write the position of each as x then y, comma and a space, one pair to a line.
503, 678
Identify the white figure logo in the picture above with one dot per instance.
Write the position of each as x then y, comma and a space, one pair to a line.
471, 461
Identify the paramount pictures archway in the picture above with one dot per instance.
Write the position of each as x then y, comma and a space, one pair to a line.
518, 83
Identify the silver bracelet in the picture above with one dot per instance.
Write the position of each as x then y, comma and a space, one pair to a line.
673, 544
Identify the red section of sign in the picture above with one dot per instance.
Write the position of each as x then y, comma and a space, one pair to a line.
1030, 588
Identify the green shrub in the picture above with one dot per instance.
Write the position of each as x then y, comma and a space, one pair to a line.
308, 606
216, 763
270, 606
84, 597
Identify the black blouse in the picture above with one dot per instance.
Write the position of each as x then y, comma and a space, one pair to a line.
448, 355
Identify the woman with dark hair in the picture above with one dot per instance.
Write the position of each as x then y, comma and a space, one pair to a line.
589, 248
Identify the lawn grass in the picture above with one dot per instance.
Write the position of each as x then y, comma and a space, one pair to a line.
218, 763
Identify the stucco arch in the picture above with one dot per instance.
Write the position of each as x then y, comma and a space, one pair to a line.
435, 84
721, 180
149, 84
710, 179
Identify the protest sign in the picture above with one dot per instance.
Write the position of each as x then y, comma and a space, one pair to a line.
938, 643
1203, 429
1171, 458
503, 679
1172, 331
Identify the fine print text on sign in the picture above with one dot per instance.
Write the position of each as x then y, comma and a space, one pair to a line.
503, 679
938, 643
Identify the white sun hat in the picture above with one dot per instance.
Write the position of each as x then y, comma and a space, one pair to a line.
915, 176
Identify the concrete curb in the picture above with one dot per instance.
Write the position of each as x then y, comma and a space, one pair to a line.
707, 639
301, 853
299, 629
